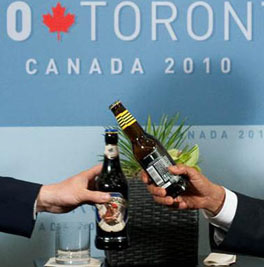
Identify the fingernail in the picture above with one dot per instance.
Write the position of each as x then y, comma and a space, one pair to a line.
106, 197
169, 200
172, 167
179, 199
163, 192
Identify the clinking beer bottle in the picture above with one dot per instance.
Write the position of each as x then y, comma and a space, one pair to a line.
149, 153
111, 217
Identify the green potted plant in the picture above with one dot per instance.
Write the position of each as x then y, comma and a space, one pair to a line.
160, 235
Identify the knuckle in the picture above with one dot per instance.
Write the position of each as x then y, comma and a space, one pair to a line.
150, 188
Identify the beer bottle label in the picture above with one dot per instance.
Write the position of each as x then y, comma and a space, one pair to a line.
111, 151
112, 216
156, 164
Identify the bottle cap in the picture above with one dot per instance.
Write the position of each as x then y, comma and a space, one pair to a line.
114, 131
114, 104
111, 136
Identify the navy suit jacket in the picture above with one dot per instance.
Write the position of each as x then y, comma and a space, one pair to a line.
16, 206
246, 234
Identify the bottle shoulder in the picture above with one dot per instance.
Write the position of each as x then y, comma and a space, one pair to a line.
145, 145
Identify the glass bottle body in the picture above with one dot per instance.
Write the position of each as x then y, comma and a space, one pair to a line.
112, 217
150, 153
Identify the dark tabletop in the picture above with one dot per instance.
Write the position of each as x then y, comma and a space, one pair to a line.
242, 261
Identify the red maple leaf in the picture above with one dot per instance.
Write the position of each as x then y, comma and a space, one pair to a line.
58, 22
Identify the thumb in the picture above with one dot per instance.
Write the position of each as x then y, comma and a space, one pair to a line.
95, 196
93, 172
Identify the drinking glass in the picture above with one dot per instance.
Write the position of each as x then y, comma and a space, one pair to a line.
72, 243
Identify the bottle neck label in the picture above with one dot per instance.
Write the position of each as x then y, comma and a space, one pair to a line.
111, 151
112, 216
125, 119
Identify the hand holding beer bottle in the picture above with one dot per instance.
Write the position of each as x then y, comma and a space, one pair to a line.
201, 194
150, 153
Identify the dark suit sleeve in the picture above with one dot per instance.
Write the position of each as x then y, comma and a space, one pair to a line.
16, 206
246, 234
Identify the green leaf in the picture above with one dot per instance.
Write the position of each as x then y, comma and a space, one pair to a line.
194, 156
175, 137
160, 127
148, 127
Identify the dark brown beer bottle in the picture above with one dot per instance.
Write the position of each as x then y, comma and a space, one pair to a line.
149, 153
111, 217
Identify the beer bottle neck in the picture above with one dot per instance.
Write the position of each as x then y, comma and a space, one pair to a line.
127, 122
134, 132
111, 158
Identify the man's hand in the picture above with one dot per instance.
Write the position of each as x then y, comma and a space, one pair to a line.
201, 193
70, 193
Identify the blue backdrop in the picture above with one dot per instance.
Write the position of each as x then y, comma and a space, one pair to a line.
205, 61
231, 94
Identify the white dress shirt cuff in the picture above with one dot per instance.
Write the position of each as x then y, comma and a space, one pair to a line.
226, 215
35, 210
